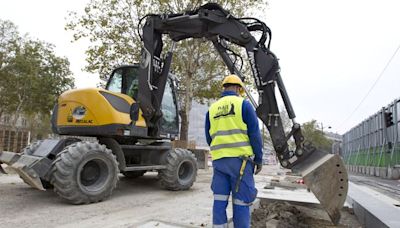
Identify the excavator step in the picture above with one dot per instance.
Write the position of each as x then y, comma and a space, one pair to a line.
144, 167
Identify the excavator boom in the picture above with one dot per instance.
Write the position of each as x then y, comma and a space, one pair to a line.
323, 173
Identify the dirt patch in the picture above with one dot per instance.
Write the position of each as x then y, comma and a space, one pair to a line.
287, 215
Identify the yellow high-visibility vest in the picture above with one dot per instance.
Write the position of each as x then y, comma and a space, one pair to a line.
227, 129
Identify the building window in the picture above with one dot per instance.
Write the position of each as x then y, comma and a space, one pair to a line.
23, 122
6, 119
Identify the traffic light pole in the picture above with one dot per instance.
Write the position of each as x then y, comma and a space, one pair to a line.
387, 122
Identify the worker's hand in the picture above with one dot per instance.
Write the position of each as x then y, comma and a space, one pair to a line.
258, 168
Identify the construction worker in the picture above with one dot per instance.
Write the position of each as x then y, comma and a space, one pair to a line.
232, 131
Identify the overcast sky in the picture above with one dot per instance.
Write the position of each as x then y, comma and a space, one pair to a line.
331, 52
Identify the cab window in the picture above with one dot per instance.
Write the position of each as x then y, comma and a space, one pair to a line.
169, 120
131, 84
115, 84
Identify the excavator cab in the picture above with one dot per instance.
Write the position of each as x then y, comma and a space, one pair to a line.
125, 80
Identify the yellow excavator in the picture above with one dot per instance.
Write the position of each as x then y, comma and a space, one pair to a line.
128, 127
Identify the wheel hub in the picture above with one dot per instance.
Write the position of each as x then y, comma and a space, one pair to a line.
90, 173
185, 171
93, 175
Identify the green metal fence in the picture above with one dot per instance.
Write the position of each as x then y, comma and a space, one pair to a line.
371, 143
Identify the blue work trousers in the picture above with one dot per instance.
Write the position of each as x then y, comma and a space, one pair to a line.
226, 174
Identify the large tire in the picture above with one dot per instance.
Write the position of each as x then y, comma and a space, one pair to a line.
29, 150
85, 172
133, 174
181, 170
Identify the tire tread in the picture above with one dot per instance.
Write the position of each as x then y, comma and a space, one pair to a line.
62, 173
169, 177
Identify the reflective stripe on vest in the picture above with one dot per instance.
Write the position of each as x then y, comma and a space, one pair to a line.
227, 129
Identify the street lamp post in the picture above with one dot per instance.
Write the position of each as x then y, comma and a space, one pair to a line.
322, 127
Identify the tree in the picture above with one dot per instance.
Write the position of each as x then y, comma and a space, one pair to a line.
32, 76
9, 40
309, 129
316, 136
112, 27
39, 131
287, 126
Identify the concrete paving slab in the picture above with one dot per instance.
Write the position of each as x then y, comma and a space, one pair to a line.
300, 195
296, 195
372, 208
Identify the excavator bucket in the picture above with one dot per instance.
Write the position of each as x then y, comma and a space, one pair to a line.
326, 176
22, 164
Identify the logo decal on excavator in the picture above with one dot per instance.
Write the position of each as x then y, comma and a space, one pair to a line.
79, 112
70, 119
254, 67
225, 111
84, 121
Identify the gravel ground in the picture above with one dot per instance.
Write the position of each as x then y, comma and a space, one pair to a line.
142, 203
288, 215
134, 203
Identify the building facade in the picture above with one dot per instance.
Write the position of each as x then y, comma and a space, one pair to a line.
196, 124
13, 138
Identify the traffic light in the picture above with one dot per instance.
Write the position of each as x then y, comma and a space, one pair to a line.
389, 119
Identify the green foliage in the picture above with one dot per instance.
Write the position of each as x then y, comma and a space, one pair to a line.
313, 134
112, 28
31, 75
310, 130
39, 131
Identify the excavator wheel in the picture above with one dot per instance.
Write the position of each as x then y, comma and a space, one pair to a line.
181, 170
29, 150
85, 172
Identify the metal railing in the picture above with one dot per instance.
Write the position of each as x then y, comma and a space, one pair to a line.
13, 140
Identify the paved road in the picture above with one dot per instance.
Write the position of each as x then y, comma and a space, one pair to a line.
390, 188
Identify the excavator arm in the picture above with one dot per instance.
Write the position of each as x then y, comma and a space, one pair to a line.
324, 173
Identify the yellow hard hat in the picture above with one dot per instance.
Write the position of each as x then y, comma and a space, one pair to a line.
232, 79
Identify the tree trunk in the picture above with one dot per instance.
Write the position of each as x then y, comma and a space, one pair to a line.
185, 110
13, 121
184, 133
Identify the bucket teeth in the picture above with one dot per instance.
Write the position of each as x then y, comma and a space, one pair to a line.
15, 161
28, 175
